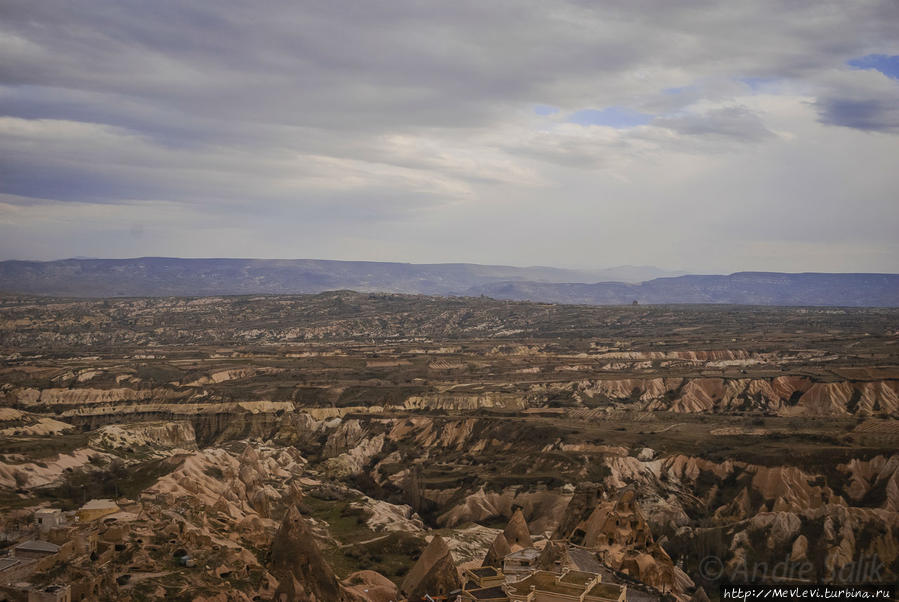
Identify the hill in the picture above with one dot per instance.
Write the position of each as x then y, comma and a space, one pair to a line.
166, 276
743, 288
161, 276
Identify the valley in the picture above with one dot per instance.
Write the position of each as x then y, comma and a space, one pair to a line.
369, 446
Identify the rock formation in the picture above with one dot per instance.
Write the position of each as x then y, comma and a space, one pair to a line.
154, 435
434, 573
579, 508
516, 532
371, 586
297, 564
618, 531
554, 557
783, 395
499, 549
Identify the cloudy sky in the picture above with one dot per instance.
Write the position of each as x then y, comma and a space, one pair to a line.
725, 136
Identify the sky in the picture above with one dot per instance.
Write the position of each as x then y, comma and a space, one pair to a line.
704, 136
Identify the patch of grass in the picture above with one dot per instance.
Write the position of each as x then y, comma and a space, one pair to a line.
345, 523
392, 556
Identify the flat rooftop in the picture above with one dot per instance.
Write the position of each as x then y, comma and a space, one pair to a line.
525, 554
101, 504
605, 590
579, 578
485, 571
38, 546
545, 581
488, 593
8, 563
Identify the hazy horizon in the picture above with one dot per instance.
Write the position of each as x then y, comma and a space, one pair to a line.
666, 272
710, 139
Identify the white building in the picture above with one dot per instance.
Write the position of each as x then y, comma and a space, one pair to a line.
48, 518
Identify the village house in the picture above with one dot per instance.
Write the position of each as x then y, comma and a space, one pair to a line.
520, 564
494, 593
51, 593
95, 509
483, 584
46, 519
546, 586
13, 570
35, 549
483, 576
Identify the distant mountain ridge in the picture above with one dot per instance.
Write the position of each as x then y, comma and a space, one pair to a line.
161, 276
741, 288
164, 276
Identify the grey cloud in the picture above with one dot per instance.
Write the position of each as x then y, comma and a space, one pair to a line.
864, 100
383, 112
394, 64
728, 122
873, 115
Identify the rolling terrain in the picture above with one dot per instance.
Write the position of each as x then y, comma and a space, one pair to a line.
360, 446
